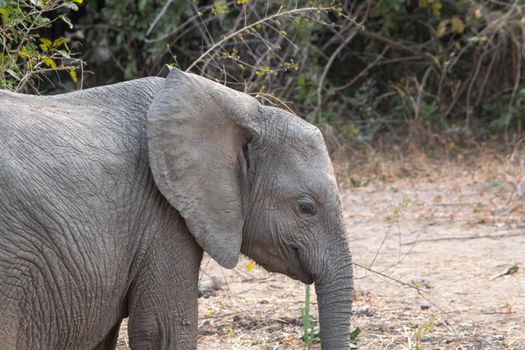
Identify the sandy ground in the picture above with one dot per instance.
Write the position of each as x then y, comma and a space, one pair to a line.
431, 249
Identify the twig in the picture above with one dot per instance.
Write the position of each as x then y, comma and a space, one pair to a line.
364, 71
219, 315
328, 66
270, 97
378, 251
29, 74
237, 32
161, 13
458, 238
395, 44
421, 292
408, 285
518, 75
470, 86
420, 89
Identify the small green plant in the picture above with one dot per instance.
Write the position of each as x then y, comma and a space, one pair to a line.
24, 52
355, 334
310, 336
421, 330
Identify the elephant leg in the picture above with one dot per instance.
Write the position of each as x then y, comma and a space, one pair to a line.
110, 341
163, 295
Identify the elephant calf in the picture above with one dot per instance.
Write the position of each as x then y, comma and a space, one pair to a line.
110, 195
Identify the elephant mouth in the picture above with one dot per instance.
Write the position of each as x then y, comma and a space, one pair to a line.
297, 270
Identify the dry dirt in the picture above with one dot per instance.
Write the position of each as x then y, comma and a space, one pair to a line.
435, 248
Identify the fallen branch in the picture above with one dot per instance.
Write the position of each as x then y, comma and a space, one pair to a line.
459, 238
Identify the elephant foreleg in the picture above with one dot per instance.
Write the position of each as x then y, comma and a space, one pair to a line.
110, 341
163, 296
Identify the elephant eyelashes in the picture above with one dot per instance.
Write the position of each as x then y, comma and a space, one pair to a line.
307, 206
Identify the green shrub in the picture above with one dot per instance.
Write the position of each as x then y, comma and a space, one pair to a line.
25, 54
431, 71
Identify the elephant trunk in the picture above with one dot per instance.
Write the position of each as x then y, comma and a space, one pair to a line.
334, 299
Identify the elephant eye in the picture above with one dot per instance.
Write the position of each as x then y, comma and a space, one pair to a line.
307, 206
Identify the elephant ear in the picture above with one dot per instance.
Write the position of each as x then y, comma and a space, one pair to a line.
196, 131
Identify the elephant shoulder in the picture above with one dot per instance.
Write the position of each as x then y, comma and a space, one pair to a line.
91, 133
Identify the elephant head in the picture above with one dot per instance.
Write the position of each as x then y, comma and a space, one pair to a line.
253, 179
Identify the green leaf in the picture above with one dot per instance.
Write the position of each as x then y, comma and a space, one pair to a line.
43, 21
73, 75
442, 28
142, 4
64, 53
45, 44
58, 42
67, 21
355, 333
12, 73
5, 15
220, 8
457, 25
301, 81
38, 3
48, 61
71, 5
24, 52
436, 8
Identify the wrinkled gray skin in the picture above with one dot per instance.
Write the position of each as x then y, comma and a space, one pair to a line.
108, 197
